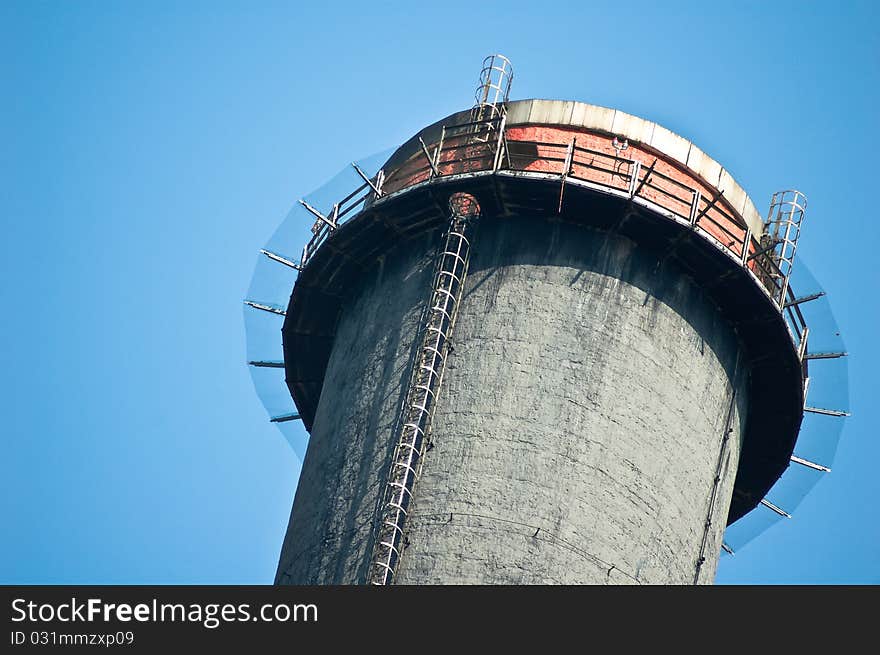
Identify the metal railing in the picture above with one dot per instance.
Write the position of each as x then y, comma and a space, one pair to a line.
349, 206
457, 152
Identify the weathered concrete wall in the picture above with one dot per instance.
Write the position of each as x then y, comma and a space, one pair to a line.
576, 436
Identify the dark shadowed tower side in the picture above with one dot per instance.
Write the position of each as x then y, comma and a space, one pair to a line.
549, 348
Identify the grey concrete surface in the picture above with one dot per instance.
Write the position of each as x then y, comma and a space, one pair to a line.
576, 435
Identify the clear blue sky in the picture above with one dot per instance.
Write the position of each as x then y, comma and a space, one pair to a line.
150, 149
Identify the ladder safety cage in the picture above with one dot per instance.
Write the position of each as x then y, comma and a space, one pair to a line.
783, 227
493, 90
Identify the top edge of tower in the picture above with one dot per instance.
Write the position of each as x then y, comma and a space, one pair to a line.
628, 128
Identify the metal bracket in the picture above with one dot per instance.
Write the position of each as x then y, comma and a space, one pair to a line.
380, 180
826, 412
778, 510
439, 148
695, 207
566, 171
376, 189
747, 240
281, 260
272, 309
434, 171
802, 299
802, 347
709, 206
825, 355
285, 418
645, 179
809, 464
501, 141
331, 222
635, 167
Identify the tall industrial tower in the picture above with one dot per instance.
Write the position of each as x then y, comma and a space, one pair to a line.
544, 342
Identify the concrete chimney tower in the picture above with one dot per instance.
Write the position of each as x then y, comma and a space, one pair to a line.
546, 342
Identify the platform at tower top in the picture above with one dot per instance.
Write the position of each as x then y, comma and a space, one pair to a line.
645, 137
599, 168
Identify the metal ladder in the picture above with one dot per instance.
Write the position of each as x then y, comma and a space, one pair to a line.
427, 376
491, 96
783, 228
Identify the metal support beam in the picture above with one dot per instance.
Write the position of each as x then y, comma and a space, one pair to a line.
434, 171
695, 207
802, 346
634, 168
285, 418
645, 179
747, 241
809, 464
380, 180
828, 355
281, 260
320, 216
377, 190
439, 147
778, 510
802, 299
826, 412
709, 206
496, 163
272, 309
566, 171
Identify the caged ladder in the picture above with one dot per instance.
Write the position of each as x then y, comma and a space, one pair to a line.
450, 271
